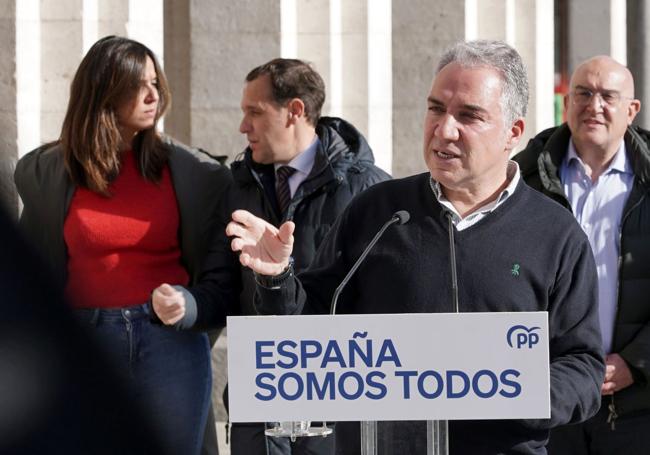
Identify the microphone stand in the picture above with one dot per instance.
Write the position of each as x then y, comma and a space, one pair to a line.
368, 429
400, 217
438, 430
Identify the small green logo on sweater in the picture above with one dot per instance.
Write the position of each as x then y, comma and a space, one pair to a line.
515, 269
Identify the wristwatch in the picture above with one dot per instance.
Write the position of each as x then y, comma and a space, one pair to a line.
275, 281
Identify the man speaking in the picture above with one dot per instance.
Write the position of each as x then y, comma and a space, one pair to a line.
513, 249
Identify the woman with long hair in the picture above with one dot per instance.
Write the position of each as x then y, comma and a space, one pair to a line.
115, 209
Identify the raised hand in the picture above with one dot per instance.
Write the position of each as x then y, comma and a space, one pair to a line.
264, 248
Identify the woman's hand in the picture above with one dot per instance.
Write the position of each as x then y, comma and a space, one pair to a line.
168, 304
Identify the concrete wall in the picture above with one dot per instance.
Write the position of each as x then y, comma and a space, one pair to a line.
638, 47
377, 58
419, 35
596, 27
8, 106
61, 52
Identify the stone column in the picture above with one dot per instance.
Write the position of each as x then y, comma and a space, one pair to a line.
176, 17
352, 63
596, 27
421, 32
534, 39
314, 44
638, 47
28, 74
61, 51
211, 46
380, 82
527, 25
334, 36
146, 24
492, 20
69, 28
112, 17
8, 106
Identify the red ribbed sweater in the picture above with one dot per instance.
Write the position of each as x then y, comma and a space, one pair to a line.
122, 247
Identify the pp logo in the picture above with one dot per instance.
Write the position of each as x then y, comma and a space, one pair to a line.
520, 336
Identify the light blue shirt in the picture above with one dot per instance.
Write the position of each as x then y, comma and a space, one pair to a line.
513, 176
303, 164
598, 207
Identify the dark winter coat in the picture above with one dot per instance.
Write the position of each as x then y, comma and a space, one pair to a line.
540, 166
343, 167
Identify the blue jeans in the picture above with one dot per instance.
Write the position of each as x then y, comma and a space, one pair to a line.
168, 371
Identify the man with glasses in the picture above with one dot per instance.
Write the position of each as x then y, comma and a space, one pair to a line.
598, 165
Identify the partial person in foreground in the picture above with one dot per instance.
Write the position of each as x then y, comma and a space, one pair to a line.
50, 400
474, 119
597, 165
115, 209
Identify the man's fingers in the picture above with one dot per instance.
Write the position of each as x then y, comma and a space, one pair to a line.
608, 388
246, 218
244, 258
237, 244
286, 233
236, 229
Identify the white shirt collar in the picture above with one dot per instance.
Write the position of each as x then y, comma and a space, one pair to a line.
512, 174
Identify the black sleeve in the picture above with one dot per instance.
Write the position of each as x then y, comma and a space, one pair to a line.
576, 358
216, 293
219, 285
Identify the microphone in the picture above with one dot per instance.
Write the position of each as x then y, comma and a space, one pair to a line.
399, 217
452, 259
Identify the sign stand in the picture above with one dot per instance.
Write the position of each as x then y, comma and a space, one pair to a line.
298, 429
437, 437
368, 437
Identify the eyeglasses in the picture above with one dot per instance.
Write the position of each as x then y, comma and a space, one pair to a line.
583, 97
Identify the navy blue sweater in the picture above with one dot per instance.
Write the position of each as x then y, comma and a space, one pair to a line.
408, 272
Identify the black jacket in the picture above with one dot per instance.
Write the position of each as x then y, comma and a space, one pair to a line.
343, 167
540, 164
44, 185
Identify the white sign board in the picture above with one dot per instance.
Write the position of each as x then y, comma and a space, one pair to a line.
389, 367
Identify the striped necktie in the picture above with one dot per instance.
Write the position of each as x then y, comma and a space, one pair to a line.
282, 190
